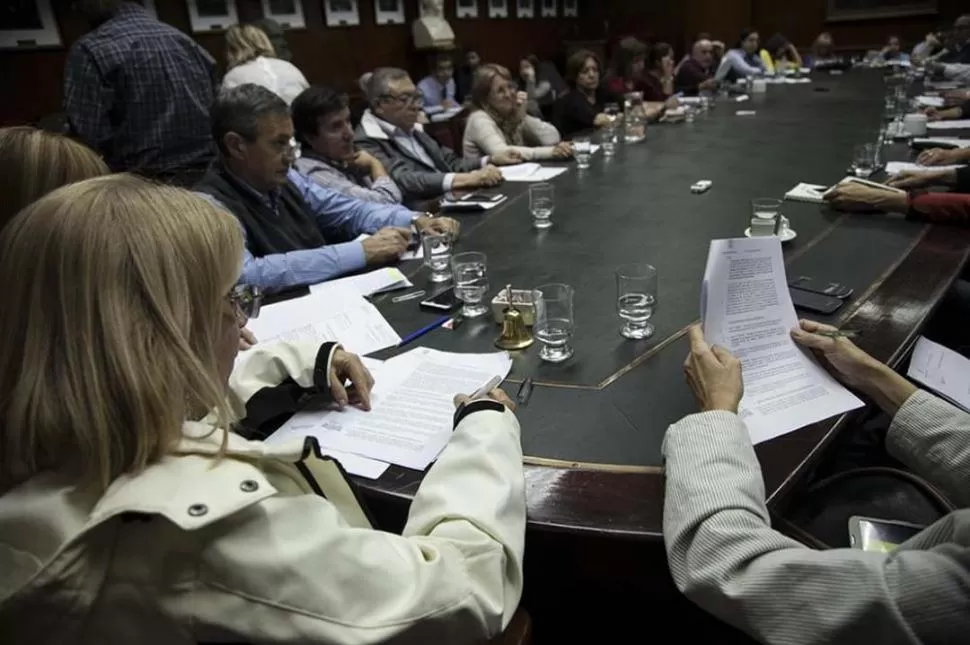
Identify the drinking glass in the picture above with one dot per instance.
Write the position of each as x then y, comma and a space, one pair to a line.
554, 321
608, 140
582, 149
765, 207
864, 160
636, 297
541, 204
471, 282
437, 255
689, 114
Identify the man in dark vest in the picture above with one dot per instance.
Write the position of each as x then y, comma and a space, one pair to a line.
297, 232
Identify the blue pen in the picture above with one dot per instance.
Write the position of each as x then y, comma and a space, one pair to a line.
424, 330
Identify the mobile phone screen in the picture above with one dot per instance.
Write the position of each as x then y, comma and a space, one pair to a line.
444, 301
882, 536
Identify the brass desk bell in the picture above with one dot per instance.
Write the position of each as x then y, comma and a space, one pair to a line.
515, 333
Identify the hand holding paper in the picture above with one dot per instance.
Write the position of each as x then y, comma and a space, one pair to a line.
713, 374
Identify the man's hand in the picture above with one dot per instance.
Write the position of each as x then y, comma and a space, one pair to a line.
602, 120
505, 157
563, 150
498, 394
344, 367
937, 157
437, 226
488, 176
386, 245
851, 196
910, 179
932, 114
449, 104
246, 339
366, 162
713, 374
521, 98
709, 84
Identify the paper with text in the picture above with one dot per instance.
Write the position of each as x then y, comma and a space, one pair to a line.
961, 124
367, 284
896, 167
530, 172
942, 370
747, 309
412, 408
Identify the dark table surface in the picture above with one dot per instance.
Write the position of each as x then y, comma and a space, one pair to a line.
593, 429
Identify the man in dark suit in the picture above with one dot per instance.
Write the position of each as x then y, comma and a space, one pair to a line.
423, 169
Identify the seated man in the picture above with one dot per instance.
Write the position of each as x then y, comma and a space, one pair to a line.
695, 74
418, 165
321, 118
438, 88
296, 232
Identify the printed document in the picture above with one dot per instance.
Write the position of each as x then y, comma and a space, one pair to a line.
368, 284
530, 172
942, 370
412, 408
746, 308
896, 167
961, 124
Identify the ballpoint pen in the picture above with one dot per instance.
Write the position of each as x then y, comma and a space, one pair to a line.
839, 333
424, 330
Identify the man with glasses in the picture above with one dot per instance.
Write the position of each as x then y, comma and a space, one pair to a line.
696, 74
297, 232
422, 169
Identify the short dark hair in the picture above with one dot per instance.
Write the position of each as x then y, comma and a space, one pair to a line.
314, 102
239, 109
776, 43
575, 62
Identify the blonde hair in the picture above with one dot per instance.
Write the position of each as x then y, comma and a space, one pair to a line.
34, 162
246, 42
482, 83
115, 309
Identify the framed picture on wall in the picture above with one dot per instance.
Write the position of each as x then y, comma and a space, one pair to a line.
289, 13
466, 8
341, 13
570, 8
525, 8
212, 15
389, 12
548, 8
498, 8
28, 23
864, 9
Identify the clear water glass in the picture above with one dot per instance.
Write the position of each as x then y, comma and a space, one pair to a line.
612, 110
864, 160
542, 203
765, 207
471, 282
437, 255
582, 150
636, 299
689, 114
554, 321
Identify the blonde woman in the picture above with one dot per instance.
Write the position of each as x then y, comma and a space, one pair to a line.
500, 123
34, 162
250, 59
128, 509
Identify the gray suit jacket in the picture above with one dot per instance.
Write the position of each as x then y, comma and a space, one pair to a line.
416, 179
724, 555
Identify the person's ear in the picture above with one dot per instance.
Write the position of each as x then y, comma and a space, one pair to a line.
235, 145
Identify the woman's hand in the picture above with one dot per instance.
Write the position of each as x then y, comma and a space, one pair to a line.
910, 179
344, 367
936, 157
847, 362
852, 196
498, 394
713, 374
563, 150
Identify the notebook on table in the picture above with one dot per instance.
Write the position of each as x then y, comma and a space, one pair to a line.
811, 193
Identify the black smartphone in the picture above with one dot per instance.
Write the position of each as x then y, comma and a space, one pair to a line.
443, 301
834, 289
815, 302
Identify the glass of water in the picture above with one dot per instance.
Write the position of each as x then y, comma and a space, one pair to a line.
541, 204
582, 149
471, 282
636, 298
554, 321
437, 256
864, 160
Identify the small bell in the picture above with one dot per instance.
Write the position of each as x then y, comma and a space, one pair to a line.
515, 333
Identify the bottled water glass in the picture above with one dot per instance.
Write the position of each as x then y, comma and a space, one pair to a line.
636, 298
554, 321
582, 149
437, 256
541, 204
471, 282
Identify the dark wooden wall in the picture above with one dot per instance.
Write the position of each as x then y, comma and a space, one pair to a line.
325, 55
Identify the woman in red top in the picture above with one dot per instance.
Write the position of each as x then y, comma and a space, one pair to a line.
628, 66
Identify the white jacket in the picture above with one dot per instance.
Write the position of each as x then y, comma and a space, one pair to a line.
269, 544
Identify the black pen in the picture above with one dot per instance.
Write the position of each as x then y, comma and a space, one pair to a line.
525, 392
839, 333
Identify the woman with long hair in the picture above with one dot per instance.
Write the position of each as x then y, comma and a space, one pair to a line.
499, 121
131, 507
250, 58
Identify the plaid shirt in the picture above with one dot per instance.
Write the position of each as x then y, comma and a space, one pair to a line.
138, 91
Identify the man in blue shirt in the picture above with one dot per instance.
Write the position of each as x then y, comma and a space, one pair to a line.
297, 232
438, 88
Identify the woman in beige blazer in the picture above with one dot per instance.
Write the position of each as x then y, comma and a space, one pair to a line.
499, 121
130, 512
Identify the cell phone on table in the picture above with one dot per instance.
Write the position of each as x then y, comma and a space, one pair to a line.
478, 198
882, 536
813, 285
443, 301
815, 302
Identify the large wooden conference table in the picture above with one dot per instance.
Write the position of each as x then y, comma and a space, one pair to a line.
593, 429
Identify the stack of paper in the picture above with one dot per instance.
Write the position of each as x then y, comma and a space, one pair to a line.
747, 309
942, 370
961, 124
530, 172
803, 192
942, 142
931, 101
368, 284
412, 408
896, 167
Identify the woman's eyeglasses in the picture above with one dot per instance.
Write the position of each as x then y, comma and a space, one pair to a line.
246, 300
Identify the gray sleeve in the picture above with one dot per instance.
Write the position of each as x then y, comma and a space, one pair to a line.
382, 191
724, 555
414, 183
933, 438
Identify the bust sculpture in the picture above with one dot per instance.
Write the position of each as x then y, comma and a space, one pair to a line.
431, 30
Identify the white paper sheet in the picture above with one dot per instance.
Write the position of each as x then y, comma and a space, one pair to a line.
796, 81
357, 465
931, 101
942, 370
811, 193
531, 172
747, 309
944, 141
961, 124
367, 284
412, 408
896, 167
